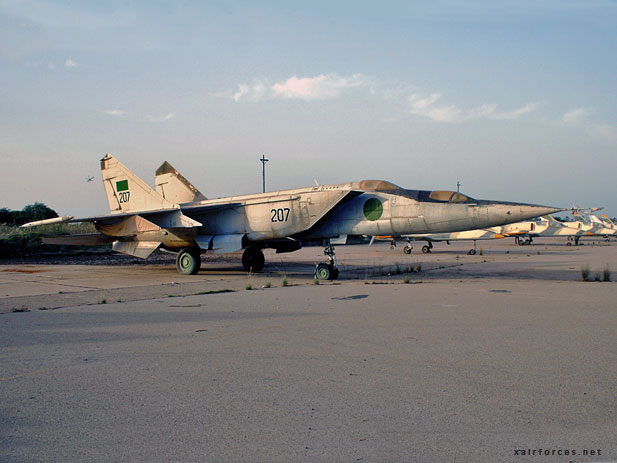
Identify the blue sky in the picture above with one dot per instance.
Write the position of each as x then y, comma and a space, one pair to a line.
516, 100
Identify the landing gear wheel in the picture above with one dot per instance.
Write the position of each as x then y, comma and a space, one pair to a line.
426, 249
407, 249
323, 271
188, 261
253, 260
472, 252
569, 243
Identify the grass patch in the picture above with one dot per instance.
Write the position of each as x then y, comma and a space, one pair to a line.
606, 274
248, 287
315, 281
284, 281
268, 284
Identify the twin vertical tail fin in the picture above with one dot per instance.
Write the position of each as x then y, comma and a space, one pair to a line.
126, 192
174, 187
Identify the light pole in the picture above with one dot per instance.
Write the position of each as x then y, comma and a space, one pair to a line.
458, 185
263, 171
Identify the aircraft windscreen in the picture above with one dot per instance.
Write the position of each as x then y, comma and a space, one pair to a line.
378, 185
448, 196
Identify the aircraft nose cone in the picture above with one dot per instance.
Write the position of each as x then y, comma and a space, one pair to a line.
518, 212
502, 213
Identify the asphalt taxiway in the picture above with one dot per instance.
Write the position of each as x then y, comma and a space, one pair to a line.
475, 358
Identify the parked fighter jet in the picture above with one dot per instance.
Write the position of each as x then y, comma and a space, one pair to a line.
177, 217
523, 233
430, 238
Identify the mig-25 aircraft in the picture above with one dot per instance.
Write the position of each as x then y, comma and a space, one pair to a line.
177, 217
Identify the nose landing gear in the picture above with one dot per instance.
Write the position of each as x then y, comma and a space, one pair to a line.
327, 271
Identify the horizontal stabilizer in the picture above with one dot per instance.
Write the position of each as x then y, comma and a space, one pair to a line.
141, 249
87, 239
129, 226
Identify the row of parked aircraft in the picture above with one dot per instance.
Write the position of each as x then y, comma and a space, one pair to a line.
175, 216
587, 224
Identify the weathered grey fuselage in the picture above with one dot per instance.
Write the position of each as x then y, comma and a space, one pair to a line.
329, 211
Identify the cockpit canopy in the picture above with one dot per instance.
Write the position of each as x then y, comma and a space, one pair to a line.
441, 196
448, 196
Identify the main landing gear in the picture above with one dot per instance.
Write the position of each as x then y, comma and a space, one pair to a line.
573, 238
188, 261
407, 249
521, 241
426, 249
253, 259
327, 271
472, 252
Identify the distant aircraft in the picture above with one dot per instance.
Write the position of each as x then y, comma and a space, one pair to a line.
177, 217
89, 178
523, 233
430, 238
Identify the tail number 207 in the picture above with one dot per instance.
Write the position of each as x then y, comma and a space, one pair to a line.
124, 196
279, 215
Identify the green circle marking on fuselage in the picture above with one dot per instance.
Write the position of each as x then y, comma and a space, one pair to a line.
373, 209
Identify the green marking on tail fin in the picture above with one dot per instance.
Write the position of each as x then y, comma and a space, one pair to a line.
122, 185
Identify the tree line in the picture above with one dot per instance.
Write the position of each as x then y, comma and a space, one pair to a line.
30, 213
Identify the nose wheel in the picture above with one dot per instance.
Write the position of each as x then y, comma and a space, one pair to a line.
327, 271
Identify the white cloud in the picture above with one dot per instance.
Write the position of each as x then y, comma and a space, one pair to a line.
255, 92
69, 63
115, 112
322, 87
575, 116
164, 118
517, 113
426, 106
606, 131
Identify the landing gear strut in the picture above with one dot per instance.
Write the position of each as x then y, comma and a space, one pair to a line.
472, 252
327, 271
427, 248
253, 260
